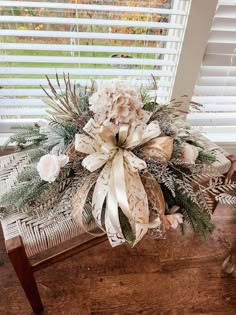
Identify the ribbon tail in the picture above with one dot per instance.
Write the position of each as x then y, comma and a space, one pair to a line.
100, 192
138, 203
112, 221
130, 194
118, 173
137, 197
114, 235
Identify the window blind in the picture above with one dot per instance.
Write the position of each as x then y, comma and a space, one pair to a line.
215, 87
100, 40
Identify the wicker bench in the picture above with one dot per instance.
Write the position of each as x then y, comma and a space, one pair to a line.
27, 236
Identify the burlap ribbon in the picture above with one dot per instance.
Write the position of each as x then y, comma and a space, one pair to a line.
119, 182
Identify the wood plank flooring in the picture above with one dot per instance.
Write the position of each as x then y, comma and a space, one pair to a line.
179, 275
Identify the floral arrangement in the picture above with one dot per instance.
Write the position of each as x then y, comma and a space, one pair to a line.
137, 166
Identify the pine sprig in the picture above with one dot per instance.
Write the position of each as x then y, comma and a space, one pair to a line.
26, 137
206, 157
36, 153
24, 192
196, 143
198, 220
182, 228
59, 134
54, 137
27, 174
30, 191
184, 183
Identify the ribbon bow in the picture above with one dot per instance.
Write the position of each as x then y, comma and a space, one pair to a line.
119, 182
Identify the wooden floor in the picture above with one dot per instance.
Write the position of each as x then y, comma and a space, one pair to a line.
174, 276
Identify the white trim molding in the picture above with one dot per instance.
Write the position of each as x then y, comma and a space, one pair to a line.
197, 30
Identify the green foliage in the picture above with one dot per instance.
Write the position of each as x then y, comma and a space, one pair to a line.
31, 194
206, 157
28, 174
55, 137
196, 144
59, 134
29, 187
66, 130
26, 137
195, 207
150, 106
182, 228
198, 220
24, 192
36, 153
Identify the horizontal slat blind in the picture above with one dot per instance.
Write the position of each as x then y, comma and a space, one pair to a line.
100, 40
74, 21
87, 48
86, 60
89, 35
84, 71
93, 7
216, 84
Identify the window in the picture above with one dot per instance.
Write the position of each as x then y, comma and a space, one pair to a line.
102, 39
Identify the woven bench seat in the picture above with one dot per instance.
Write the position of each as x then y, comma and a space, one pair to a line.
41, 233
38, 233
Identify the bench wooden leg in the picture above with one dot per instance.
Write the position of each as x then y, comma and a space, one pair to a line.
21, 264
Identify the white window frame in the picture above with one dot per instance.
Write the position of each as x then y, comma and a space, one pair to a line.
187, 72
199, 24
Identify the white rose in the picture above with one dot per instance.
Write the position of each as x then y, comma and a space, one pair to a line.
190, 153
49, 166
